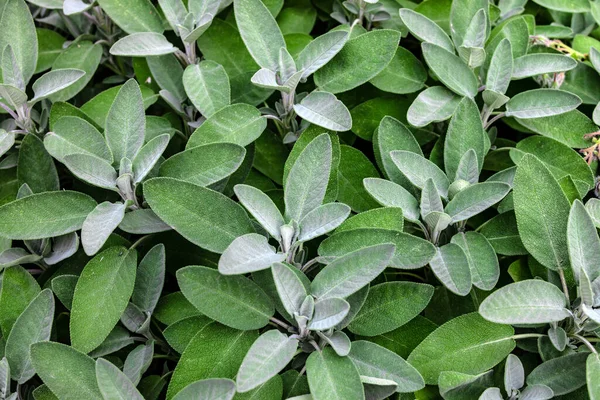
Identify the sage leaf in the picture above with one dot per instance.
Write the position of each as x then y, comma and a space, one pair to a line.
248, 253
217, 389
592, 369
207, 86
324, 109
451, 266
17, 29
434, 104
247, 306
99, 224
322, 220
583, 242
425, 29
262, 208
450, 69
320, 51
328, 313
475, 199
483, 262
390, 194
148, 156
289, 286
418, 169
53, 82
539, 103
135, 16
113, 383
93, 170
562, 374
332, 377
539, 64
74, 135
142, 44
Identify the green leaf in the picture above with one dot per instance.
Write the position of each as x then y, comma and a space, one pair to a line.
50, 46
388, 307
126, 122
568, 128
147, 157
325, 110
404, 74
142, 44
248, 253
207, 86
81, 55
54, 82
240, 124
101, 295
583, 242
212, 228
168, 75
290, 288
475, 199
573, 6
361, 59
542, 212
501, 67
307, 180
349, 273
483, 262
411, 251
434, 104
261, 207
376, 361
35, 167
467, 344
113, 383
592, 370
539, 103
322, 220
328, 313
216, 389
538, 64
19, 288
451, 266
527, 302
425, 29
390, 218
99, 224
133, 16
149, 279
259, 32
269, 354
332, 377
215, 351
563, 374
17, 29
450, 70
32, 326
74, 135
143, 221
69, 210
418, 169
461, 15
353, 168
204, 165
502, 233
235, 301
93, 170
68, 373
320, 51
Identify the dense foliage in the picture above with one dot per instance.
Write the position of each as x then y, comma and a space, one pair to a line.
328, 200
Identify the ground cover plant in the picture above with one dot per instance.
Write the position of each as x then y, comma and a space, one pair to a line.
328, 200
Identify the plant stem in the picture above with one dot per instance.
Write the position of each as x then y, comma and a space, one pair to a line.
280, 323
527, 336
563, 282
586, 342
491, 121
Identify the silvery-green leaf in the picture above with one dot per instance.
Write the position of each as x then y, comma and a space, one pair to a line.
475, 199
583, 242
63, 287
93, 170
4, 378
269, 354
390, 194
514, 374
15, 97
530, 301
11, 72
563, 374
325, 110
150, 279
434, 104
418, 169
541, 63
322, 220
538, 103
290, 288
113, 383
537, 392
494, 99
53, 82
259, 31
74, 135
99, 224
558, 337
63, 247
491, 394
349, 273
593, 208
201, 27
450, 69
248, 253
17, 29
7, 139
147, 157
475, 34
592, 369
328, 313
331, 377
207, 86
126, 122
17, 256
320, 50
72, 7
203, 8
142, 44
138, 361
586, 290
468, 167
437, 221
482, 258
266, 78
473, 56
261, 207
375, 361
591, 313
430, 199
174, 11
425, 29
286, 66
214, 389
500, 69
32, 326
339, 341
143, 221
306, 183
451, 267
